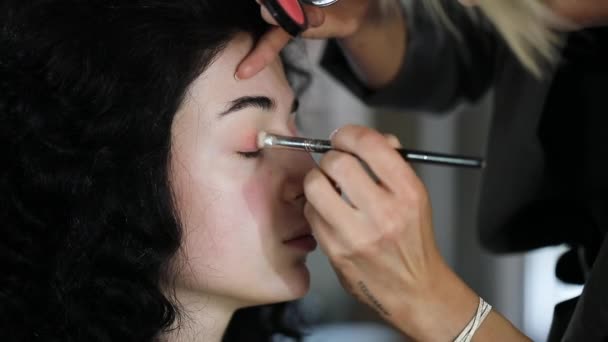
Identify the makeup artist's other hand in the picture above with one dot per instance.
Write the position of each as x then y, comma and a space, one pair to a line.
381, 242
342, 19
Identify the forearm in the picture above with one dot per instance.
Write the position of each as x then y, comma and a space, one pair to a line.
496, 328
585, 13
442, 312
376, 51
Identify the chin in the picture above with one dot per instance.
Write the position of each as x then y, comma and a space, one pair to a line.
287, 286
298, 281
300, 288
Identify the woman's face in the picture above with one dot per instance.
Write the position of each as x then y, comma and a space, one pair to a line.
238, 208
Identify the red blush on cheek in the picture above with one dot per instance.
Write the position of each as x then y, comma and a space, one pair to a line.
257, 192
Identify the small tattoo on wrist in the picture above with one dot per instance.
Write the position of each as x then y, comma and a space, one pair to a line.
377, 305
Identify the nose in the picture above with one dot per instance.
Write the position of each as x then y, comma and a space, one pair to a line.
295, 164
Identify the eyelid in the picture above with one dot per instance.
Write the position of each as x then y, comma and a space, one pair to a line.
258, 153
251, 154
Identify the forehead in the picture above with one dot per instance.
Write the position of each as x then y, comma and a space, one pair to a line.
217, 85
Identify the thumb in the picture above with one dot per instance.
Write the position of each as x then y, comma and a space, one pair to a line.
314, 15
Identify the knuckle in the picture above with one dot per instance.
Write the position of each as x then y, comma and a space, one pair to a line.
327, 160
392, 218
418, 195
340, 259
393, 140
268, 54
280, 38
339, 164
416, 199
312, 181
364, 249
393, 233
345, 131
359, 137
371, 139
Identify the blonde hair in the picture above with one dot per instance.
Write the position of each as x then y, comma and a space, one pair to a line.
529, 27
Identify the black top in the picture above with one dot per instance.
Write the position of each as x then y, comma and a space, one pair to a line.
546, 180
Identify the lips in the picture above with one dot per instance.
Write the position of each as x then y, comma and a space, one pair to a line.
302, 240
300, 233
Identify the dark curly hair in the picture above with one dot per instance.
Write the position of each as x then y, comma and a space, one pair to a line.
88, 91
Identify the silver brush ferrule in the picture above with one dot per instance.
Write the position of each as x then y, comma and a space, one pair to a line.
267, 140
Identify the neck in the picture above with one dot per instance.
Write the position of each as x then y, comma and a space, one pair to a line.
201, 318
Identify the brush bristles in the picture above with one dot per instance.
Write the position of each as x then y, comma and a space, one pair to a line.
264, 139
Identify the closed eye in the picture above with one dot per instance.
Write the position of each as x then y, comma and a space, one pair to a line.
252, 154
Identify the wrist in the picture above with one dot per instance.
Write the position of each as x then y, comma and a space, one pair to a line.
380, 13
442, 309
379, 16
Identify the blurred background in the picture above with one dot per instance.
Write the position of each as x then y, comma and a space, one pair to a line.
522, 287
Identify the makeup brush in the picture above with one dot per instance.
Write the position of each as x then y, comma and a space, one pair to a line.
268, 140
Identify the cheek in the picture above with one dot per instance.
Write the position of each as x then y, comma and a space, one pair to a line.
257, 192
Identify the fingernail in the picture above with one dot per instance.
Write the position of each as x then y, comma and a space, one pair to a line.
242, 73
393, 140
333, 133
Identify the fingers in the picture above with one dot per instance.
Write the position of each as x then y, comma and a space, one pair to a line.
379, 154
320, 193
393, 140
314, 15
346, 170
321, 229
267, 49
272, 42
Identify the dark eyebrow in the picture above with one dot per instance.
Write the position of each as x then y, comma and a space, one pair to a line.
261, 102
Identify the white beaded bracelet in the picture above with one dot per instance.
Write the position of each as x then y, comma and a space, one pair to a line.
483, 309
